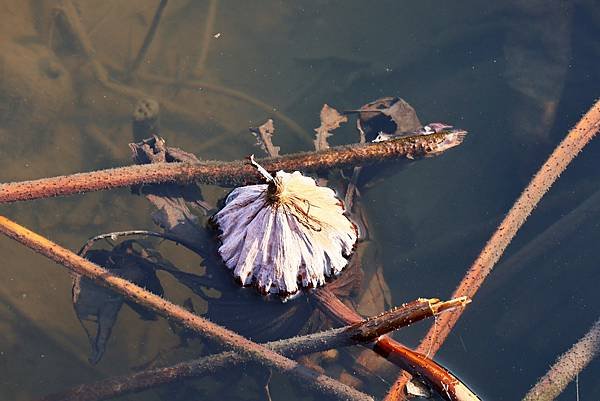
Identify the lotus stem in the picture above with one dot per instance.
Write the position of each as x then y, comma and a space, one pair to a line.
251, 350
565, 152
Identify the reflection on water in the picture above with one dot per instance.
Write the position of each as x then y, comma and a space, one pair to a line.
516, 74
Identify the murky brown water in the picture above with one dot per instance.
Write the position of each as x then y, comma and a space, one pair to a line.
517, 75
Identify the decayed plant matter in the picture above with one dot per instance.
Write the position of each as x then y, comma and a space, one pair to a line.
286, 233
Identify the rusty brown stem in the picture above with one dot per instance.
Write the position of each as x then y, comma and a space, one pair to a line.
223, 173
362, 332
440, 379
148, 38
251, 350
565, 152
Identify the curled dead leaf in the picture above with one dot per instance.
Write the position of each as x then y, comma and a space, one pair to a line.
263, 135
331, 119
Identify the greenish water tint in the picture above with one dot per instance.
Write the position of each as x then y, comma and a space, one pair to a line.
517, 75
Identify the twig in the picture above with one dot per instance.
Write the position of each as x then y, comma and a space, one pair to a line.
224, 173
253, 351
567, 367
444, 382
362, 332
114, 235
147, 39
574, 142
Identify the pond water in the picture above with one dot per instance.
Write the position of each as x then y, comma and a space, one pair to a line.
515, 74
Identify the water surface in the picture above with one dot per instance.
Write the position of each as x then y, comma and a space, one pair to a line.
517, 75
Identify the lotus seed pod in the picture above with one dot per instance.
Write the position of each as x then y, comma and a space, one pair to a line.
286, 234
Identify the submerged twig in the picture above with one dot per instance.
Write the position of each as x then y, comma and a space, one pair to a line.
251, 350
574, 142
362, 332
71, 21
117, 234
444, 382
352, 189
567, 367
223, 173
206, 38
233, 93
148, 38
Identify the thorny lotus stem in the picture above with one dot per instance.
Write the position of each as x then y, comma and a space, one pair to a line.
223, 173
251, 350
362, 332
574, 142
444, 382
567, 367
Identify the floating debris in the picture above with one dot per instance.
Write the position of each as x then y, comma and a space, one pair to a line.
286, 234
263, 135
331, 119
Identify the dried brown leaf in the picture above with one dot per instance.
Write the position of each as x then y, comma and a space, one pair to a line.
390, 115
263, 135
330, 119
99, 306
172, 201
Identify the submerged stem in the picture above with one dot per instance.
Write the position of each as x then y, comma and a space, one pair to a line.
148, 38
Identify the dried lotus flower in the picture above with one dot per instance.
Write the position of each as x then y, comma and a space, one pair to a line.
284, 234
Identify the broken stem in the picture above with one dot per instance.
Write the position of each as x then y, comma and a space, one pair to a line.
363, 332
250, 349
268, 177
565, 152
441, 380
222, 173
